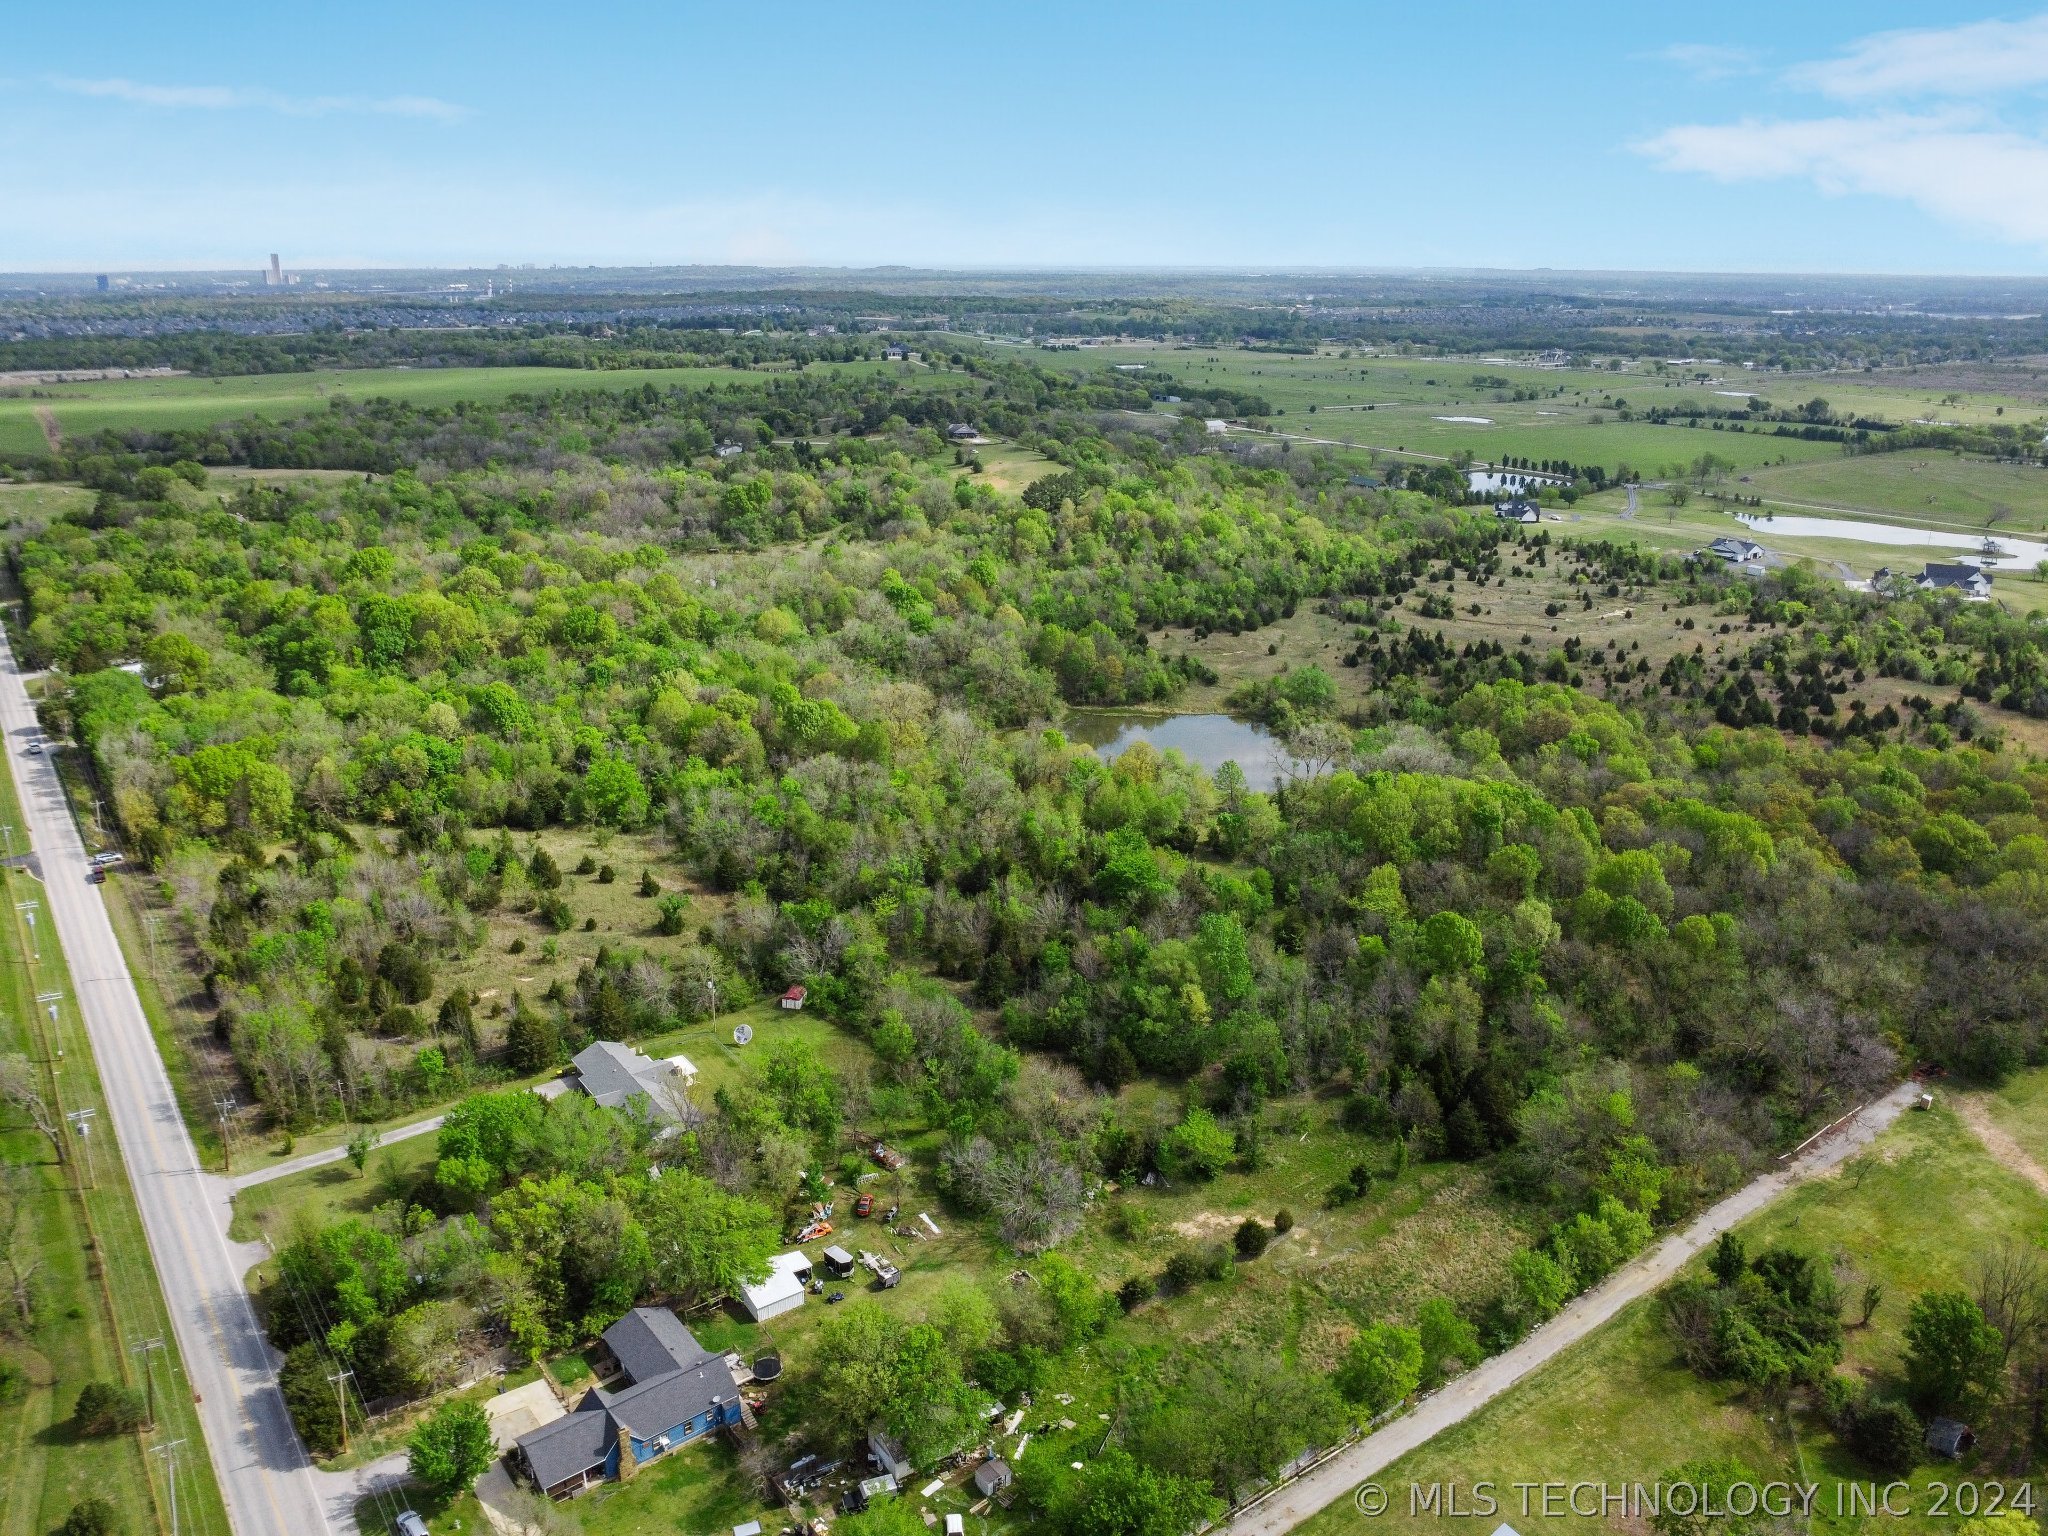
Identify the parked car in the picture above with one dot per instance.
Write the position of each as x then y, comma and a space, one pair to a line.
35, 749
410, 1524
864, 1206
95, 876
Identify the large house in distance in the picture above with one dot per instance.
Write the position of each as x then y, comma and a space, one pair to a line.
1737, 551
615, 1074
1520, 510
670, 1390
1971, 582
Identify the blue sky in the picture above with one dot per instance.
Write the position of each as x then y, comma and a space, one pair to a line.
1800, 137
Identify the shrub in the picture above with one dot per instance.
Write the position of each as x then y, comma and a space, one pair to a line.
1283, 1222
1135, 1292
516, 947
673, 907
1252, 1237
542, 869
1382, 1366
90, 1517
105, 1408
554, 911
649, 886
1886, 1434
1197, 1148
586, 865
1183, 1270
402, 1023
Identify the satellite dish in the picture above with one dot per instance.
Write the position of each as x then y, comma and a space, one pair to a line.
742, 1033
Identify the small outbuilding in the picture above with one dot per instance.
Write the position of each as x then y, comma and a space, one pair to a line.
992, 1476
793, 999
1950, 1437
888, 1453
782, 1291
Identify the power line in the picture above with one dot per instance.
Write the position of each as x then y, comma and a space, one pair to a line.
169, 1451
146, 1348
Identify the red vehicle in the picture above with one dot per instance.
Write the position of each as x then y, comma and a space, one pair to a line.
864, 1206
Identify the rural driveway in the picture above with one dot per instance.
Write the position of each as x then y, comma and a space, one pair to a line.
331, 1155
1336, 1478
264, 1474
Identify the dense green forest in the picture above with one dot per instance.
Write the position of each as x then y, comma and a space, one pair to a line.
1622, 948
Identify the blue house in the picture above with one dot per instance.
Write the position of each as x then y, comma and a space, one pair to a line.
669, 1390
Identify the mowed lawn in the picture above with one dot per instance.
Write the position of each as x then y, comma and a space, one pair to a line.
1919, 1209
192, 402
1934, 489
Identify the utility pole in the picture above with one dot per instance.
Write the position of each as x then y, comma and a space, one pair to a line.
81, 1121
169, 1451
226, 1106
341, 1402
146, 1348
34, 944
50, 1000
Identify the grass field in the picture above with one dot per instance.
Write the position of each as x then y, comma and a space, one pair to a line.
1620, 1407
1934, 490
191, 402
97, 1290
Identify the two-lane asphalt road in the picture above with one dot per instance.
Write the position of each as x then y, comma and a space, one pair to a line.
265, 1476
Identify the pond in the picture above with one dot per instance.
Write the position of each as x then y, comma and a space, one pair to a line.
1207, 740
2016, 554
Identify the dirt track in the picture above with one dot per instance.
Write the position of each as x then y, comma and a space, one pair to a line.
1338, 1477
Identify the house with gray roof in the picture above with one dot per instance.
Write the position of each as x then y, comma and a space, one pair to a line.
1972, 582
615, 1074
670, 1390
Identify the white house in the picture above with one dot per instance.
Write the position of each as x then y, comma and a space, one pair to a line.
1972, 582
782, 1291
1737, 551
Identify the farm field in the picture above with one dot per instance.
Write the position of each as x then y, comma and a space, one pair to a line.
1621, 1407
1396, 405
190, 402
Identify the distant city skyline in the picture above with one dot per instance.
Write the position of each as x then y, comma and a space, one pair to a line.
1610, 137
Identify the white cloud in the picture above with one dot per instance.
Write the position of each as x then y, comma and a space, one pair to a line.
1950, 165
1969, 60
221, 98
1710, 61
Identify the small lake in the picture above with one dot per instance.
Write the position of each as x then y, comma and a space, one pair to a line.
2020, 554
1209, 740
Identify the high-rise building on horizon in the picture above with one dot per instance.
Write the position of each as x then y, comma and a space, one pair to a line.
274, 278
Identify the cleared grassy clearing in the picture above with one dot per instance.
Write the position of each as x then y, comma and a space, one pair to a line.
1620, 1407
191, 402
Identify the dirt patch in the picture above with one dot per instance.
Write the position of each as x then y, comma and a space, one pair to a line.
52, 433
1208, 1224
2003, 1149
